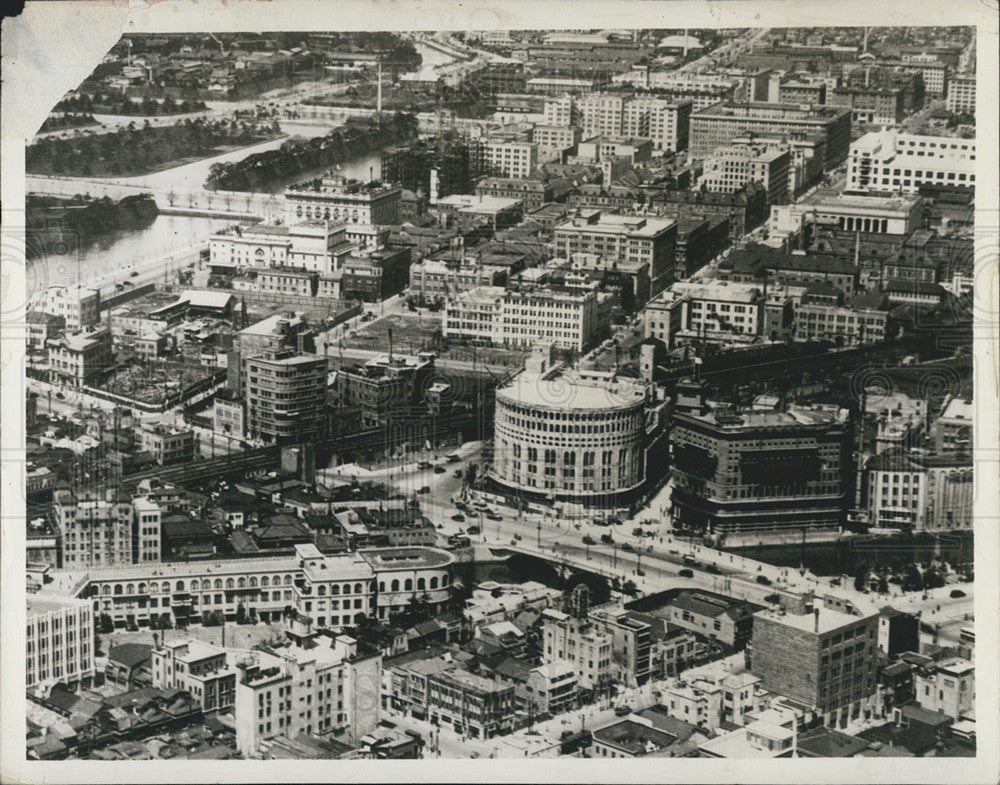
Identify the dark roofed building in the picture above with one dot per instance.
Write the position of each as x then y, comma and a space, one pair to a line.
756, 263
829, 743
725, 620
629, 739
129, 665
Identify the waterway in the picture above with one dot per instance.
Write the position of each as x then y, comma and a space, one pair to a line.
167, 234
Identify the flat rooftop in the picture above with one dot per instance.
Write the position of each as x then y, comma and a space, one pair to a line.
565, 390
387, 559
829, 620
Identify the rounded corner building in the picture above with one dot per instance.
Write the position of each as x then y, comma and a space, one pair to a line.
571, 436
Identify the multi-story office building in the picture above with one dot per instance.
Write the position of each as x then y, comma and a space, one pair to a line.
716, 311
323, 684
439, 280
892, 162
197, 667
78, 359
334, 591
628, 238
147, 525
933, 73
59, 641
440, 691
95, 532
727, 621
79, 307
952, 430
799, 89
288, 330
510, 155
918, 491
578, 435
631, 643
344, 202
761, 470
823, 315
962, 94
729, 169
824, 658
664, 121
719, 124
580, 642
167, 444
266, 587
383, 386
571, 320
870, 105
286, 396
554, 140
947, 687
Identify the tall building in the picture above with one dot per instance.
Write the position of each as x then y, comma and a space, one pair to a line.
578, 641
577, 435
893, 162
750, 471
721, 123
335, 591
320, 684
823, 658
920, 491
288, 330
510, 155
59, 641
962, 94
286, 396
95, 532
716, 311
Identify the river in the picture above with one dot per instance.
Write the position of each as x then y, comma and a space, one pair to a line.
123, 250
171, 233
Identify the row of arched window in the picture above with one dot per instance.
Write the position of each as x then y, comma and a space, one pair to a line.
407, 585
196, 585
264, 582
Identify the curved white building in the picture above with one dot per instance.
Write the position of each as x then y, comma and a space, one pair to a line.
578, 436
406, 574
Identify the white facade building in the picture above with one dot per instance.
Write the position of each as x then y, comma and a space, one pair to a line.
59, 640
892, 162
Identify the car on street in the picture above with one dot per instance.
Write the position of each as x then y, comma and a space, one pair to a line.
956, 594
424, 465
458, 472
588, 540
439, 470
458, 518
763, 580
628, 547
623, 711
607, 538
424, 489
473, 530
686, 573
453, 458
494, 516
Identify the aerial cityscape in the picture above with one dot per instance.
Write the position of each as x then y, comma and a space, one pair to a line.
504, 394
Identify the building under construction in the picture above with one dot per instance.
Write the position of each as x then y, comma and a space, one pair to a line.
457, 161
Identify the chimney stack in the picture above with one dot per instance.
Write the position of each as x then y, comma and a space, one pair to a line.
816, 619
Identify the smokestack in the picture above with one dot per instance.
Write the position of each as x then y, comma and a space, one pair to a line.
390, 345
816, 619
378, 102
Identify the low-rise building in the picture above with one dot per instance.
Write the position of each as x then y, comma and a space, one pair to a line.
726, 621
947, 687
80, 358
167, 444
823, 315
552, 688
199, 668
